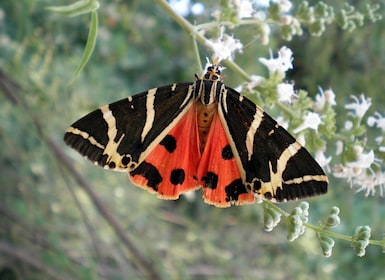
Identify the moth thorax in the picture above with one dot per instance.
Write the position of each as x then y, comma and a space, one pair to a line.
208, 92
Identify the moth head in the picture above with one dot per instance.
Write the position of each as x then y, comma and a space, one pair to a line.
213, 73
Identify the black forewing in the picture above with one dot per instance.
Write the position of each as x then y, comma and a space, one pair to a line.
126, 124
267, 142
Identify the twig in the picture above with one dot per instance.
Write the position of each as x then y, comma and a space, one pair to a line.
141, 261
28, 258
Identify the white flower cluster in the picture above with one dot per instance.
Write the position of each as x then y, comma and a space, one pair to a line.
225, 46
280, 64
359, 172
250, 8
285, 91
323, 98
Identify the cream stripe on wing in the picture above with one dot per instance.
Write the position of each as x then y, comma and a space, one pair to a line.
111, 148
186, 105
150, 112
258, 117
86, 136
307, 178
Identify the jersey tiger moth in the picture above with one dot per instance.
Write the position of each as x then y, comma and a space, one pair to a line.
184, 136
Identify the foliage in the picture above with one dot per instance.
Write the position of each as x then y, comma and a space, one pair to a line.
57, 224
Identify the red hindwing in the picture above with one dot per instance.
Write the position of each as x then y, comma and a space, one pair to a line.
218, 171
176, 166
170, 168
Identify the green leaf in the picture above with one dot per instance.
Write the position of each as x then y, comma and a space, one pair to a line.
91, 41
77, 8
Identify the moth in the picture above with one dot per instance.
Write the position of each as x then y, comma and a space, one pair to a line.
202, 134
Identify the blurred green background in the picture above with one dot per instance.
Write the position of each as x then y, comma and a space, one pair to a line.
50, 228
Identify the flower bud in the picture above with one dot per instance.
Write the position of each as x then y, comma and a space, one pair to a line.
360, 240
332, 221
327, 244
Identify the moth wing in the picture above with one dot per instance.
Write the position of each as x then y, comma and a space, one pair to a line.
170, 168
273, 165
120, 135
218, 171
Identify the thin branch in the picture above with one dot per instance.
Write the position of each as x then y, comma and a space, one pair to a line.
140, 260
107, 215
30, 259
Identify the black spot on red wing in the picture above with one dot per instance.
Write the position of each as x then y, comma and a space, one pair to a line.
177, 176
234, 189
227, 153
150, 172
211, 180
169, 143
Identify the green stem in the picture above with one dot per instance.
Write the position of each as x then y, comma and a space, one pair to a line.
328, 233
321, 230
193, 31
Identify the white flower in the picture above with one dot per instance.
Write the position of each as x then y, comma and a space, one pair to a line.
360, 107
359, 172
369, 181
377, 120
256, 80
330, 97
371, 121
311, 120
365, 180
324, 97
320, 101
245, 9
379, 140
285, 5
339, 147
285, 92
341, 171
321, 158
280, 64
348, 125
364, 160
225, 46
